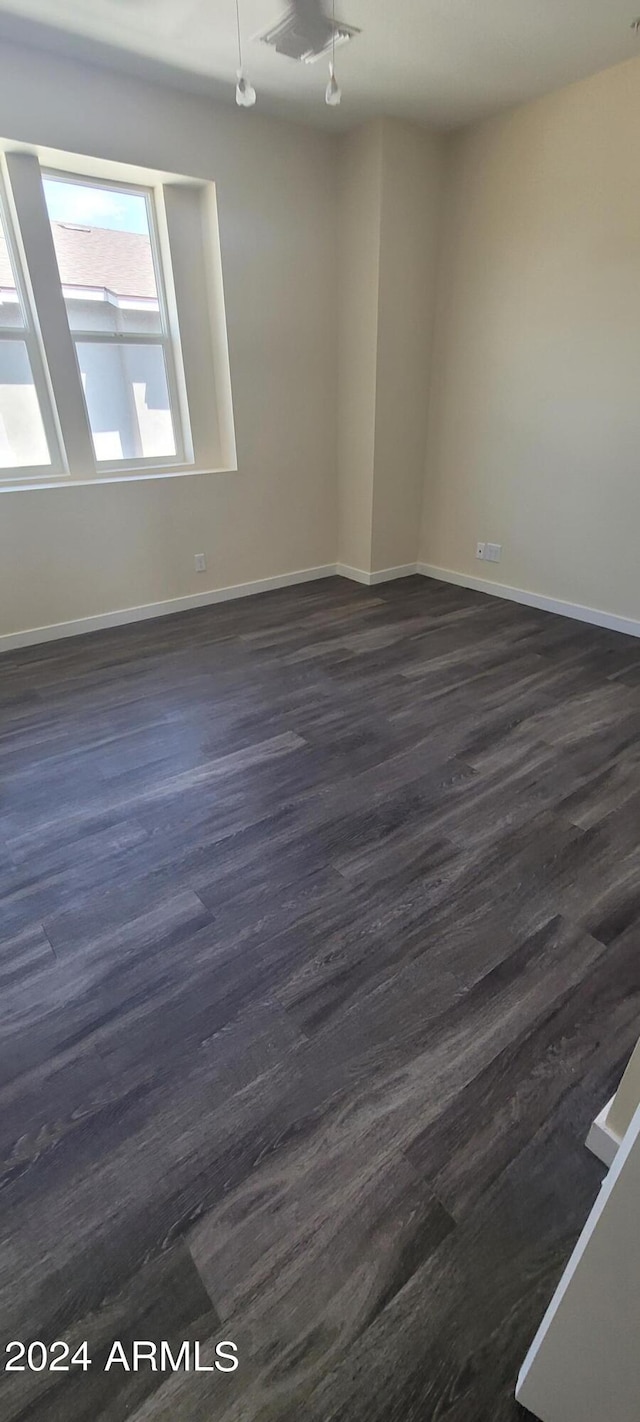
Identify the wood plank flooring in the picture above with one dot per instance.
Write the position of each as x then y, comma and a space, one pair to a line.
320, 925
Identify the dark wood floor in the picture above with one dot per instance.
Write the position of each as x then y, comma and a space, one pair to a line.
320, 920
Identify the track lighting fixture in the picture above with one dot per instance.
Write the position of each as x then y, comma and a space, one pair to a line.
305, 33
333, 92
245, 92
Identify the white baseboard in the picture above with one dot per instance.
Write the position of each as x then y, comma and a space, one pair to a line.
13, 641
530, 599
383, 575
601, 1140
356, 575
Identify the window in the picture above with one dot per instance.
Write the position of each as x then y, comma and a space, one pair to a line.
111, 318
24, 443
107, 253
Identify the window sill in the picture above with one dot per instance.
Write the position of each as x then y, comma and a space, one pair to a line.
131, 476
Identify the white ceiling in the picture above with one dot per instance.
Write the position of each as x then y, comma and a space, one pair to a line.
440, 61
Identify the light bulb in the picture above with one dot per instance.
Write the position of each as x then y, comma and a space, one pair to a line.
333, 93
245, 92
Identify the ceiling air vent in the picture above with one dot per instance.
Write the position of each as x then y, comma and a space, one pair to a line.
289, 37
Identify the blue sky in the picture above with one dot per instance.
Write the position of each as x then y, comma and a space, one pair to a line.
95, 207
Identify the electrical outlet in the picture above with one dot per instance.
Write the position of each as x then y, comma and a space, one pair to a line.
481, 550
200, 562
493, 552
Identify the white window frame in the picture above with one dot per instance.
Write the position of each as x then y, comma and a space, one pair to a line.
28, 335
164, 338
185, 235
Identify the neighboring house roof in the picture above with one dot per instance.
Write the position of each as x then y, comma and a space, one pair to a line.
98, 257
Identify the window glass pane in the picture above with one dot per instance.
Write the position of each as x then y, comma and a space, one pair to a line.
127, 397
10, 309
105, 258
22, 437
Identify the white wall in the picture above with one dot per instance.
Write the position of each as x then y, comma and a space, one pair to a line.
390, 175
69, 553
627, 1098
410, 218
584, 1363
357, 335
535, 412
